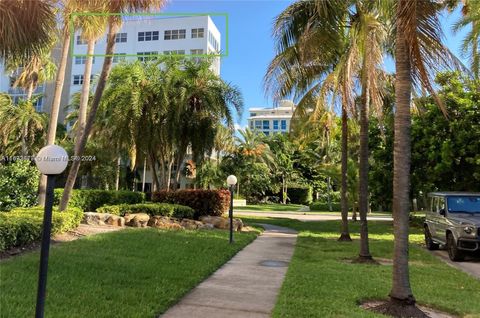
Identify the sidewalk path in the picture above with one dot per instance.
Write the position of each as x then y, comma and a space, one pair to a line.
305, 217
470, 266
245, 287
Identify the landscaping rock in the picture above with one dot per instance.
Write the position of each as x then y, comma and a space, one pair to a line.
223, 223
93, 218
164, 222
137, 219
115, 220
191, 224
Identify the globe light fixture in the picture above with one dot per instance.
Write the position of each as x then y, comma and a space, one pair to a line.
51, 160
231, 181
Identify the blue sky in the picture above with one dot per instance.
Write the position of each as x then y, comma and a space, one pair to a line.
251, 46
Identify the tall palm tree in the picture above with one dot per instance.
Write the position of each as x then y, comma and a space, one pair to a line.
26, 28
418, 54
114, 24
67, 8
22, 127
300, 67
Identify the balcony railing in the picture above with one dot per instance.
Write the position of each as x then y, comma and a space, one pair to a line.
20, 91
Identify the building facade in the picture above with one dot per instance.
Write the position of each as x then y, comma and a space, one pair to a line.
272, 120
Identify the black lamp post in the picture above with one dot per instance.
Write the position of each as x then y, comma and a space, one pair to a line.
231, 181
51, 160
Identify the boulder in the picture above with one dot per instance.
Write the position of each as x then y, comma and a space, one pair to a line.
220, 222
115, 220
93, 218
137, 219
191, 224
164, 222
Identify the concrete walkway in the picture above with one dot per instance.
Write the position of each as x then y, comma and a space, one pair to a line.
305, 217
471, 265
248, 285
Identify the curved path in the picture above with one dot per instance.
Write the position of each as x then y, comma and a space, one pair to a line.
304, 216
246, 286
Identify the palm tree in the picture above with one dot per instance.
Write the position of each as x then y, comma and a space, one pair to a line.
114, 24
27, 27
471, 43
301, 68
22, 127
418, 53
38, 69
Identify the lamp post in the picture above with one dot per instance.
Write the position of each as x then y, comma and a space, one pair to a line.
51, 160
231, 181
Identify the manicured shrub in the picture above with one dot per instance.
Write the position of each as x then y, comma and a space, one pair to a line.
24, 225
300, 194
164, 209
18, 184
204, 202
323, 206
90, 200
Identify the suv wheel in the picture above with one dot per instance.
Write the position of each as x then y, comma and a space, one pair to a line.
431, 245
453, 252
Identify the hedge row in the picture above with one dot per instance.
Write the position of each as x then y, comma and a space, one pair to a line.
300, 194
90, 200
323, 206
204, 202
24, 225
164, 209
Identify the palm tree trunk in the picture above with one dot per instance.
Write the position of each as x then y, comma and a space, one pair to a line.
401, 173
83, 109
329, 194
345, 234
144, 174
363, 176
152, 162
107, 65
30, 91
117, 176
57, 97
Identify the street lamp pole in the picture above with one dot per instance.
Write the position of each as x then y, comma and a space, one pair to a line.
45, 248
231, 181
51, 160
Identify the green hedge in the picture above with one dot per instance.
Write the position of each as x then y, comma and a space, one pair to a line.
164, 209
300, 194
24, 225
90, 200
323, 206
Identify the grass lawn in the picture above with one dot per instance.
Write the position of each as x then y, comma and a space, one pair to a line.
320, 284
269, 207
130, 273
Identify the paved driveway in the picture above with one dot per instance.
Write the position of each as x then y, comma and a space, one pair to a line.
471, 265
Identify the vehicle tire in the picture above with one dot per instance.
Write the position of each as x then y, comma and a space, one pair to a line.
453, 252
430, 244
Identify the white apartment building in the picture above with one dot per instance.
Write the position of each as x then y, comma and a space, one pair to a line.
272, 120
183, 35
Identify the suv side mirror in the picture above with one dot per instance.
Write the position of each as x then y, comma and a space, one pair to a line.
442, 212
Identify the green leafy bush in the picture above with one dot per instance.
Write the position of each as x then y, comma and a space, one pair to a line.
24, 225
90, 200
300, 194
164, 209
323, 206
18, 184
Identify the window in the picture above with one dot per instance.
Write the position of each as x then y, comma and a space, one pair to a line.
275, 125
198, 33
258, 124
253, 114
213, 41
118, 57
174, 34
81, 41
38, 104
174, 52
440, 204
82, 60
122, 37
284, 124
144, 56
77, 79
196, 51
147, 36
266, 133
266, 124
251, 125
